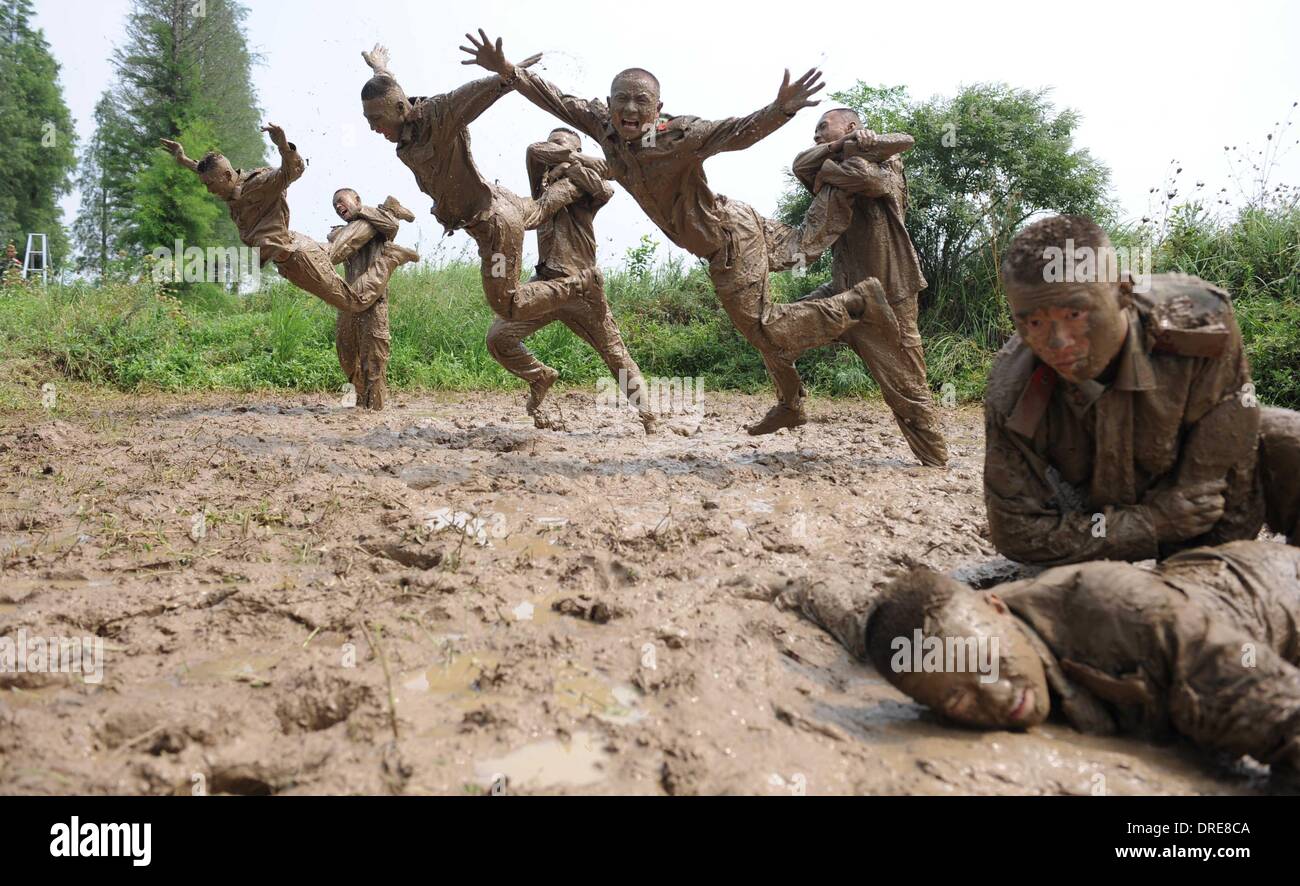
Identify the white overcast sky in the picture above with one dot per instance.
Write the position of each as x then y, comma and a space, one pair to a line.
1153, 81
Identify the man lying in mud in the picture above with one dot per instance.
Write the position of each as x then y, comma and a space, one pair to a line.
260, 210
362, 339
566, 247
876, 244
433, 142
660, 160
1121, 424
1206, 646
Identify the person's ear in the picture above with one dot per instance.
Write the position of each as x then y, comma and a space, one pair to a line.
996, 602
1124, 291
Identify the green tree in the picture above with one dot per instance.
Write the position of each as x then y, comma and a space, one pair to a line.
37, 140
986, 160
183, 72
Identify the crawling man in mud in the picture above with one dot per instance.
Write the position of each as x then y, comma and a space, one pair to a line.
433, 141
1205, 646
867, 166
1123, 424
660, 161
260, 210
566, 248
362, 338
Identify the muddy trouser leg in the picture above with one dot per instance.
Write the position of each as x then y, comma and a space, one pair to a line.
828, 216
307, 266
505, 342
780, 332
593, 322
1279, 469
894, 356
373, 351
347, 343
500, 239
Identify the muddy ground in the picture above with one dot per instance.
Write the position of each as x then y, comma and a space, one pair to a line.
325, 624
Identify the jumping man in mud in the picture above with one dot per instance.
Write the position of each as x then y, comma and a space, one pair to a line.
261, 214
876, 244
566, 246
432, 140
661, 163
362, 339
1120, 424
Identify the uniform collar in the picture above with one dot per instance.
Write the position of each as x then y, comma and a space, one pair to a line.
1134, 373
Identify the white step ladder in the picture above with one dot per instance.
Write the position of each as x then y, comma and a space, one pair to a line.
36, 261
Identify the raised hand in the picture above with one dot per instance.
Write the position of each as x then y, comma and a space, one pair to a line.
377, 58
486, 54
793, 97
277, 136
173, 147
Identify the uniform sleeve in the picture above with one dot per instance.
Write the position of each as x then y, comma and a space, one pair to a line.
464, 104
354, 235
709, 137
292, 165
589, 179
583, 115
1027, 522
809, 163
858, 176
384, 222
555, 197
1231, 692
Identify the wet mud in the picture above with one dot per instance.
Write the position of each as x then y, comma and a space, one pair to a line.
295, 598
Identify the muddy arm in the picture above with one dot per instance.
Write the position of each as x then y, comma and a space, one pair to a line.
466, 103
354, 235
589, 117
555, 197
809, 163
709, 137
1027, 523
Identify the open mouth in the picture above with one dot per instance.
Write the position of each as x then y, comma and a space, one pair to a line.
630, 127
1024, 706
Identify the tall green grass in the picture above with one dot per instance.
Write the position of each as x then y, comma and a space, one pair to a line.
133, 337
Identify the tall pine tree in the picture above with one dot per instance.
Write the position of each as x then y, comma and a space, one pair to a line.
37, 140
183, 72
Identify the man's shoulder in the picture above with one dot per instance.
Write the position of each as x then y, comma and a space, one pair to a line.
1185, 316
1013, 367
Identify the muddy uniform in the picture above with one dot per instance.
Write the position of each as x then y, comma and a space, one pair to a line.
1067, 466
1206, 646
261, 214
876, 244
664, 172
566, 245
362, 339
434, 144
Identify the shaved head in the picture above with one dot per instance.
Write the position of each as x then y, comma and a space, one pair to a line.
635, 74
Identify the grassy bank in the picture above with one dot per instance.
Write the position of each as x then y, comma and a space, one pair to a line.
132, 337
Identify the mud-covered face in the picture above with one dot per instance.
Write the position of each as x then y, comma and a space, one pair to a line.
1017, 699
346, 204
834, 125
1077, 333
220, 178
386, 115
633, 105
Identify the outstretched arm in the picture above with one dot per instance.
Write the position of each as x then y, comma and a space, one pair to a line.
585, 116
291, 163
174, 148
738, 133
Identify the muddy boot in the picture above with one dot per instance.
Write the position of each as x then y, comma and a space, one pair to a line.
403, 254
649, 422
537, 393
778, 417
868, 291
397, 209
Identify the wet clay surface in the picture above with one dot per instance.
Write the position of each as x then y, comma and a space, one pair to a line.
585, 611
